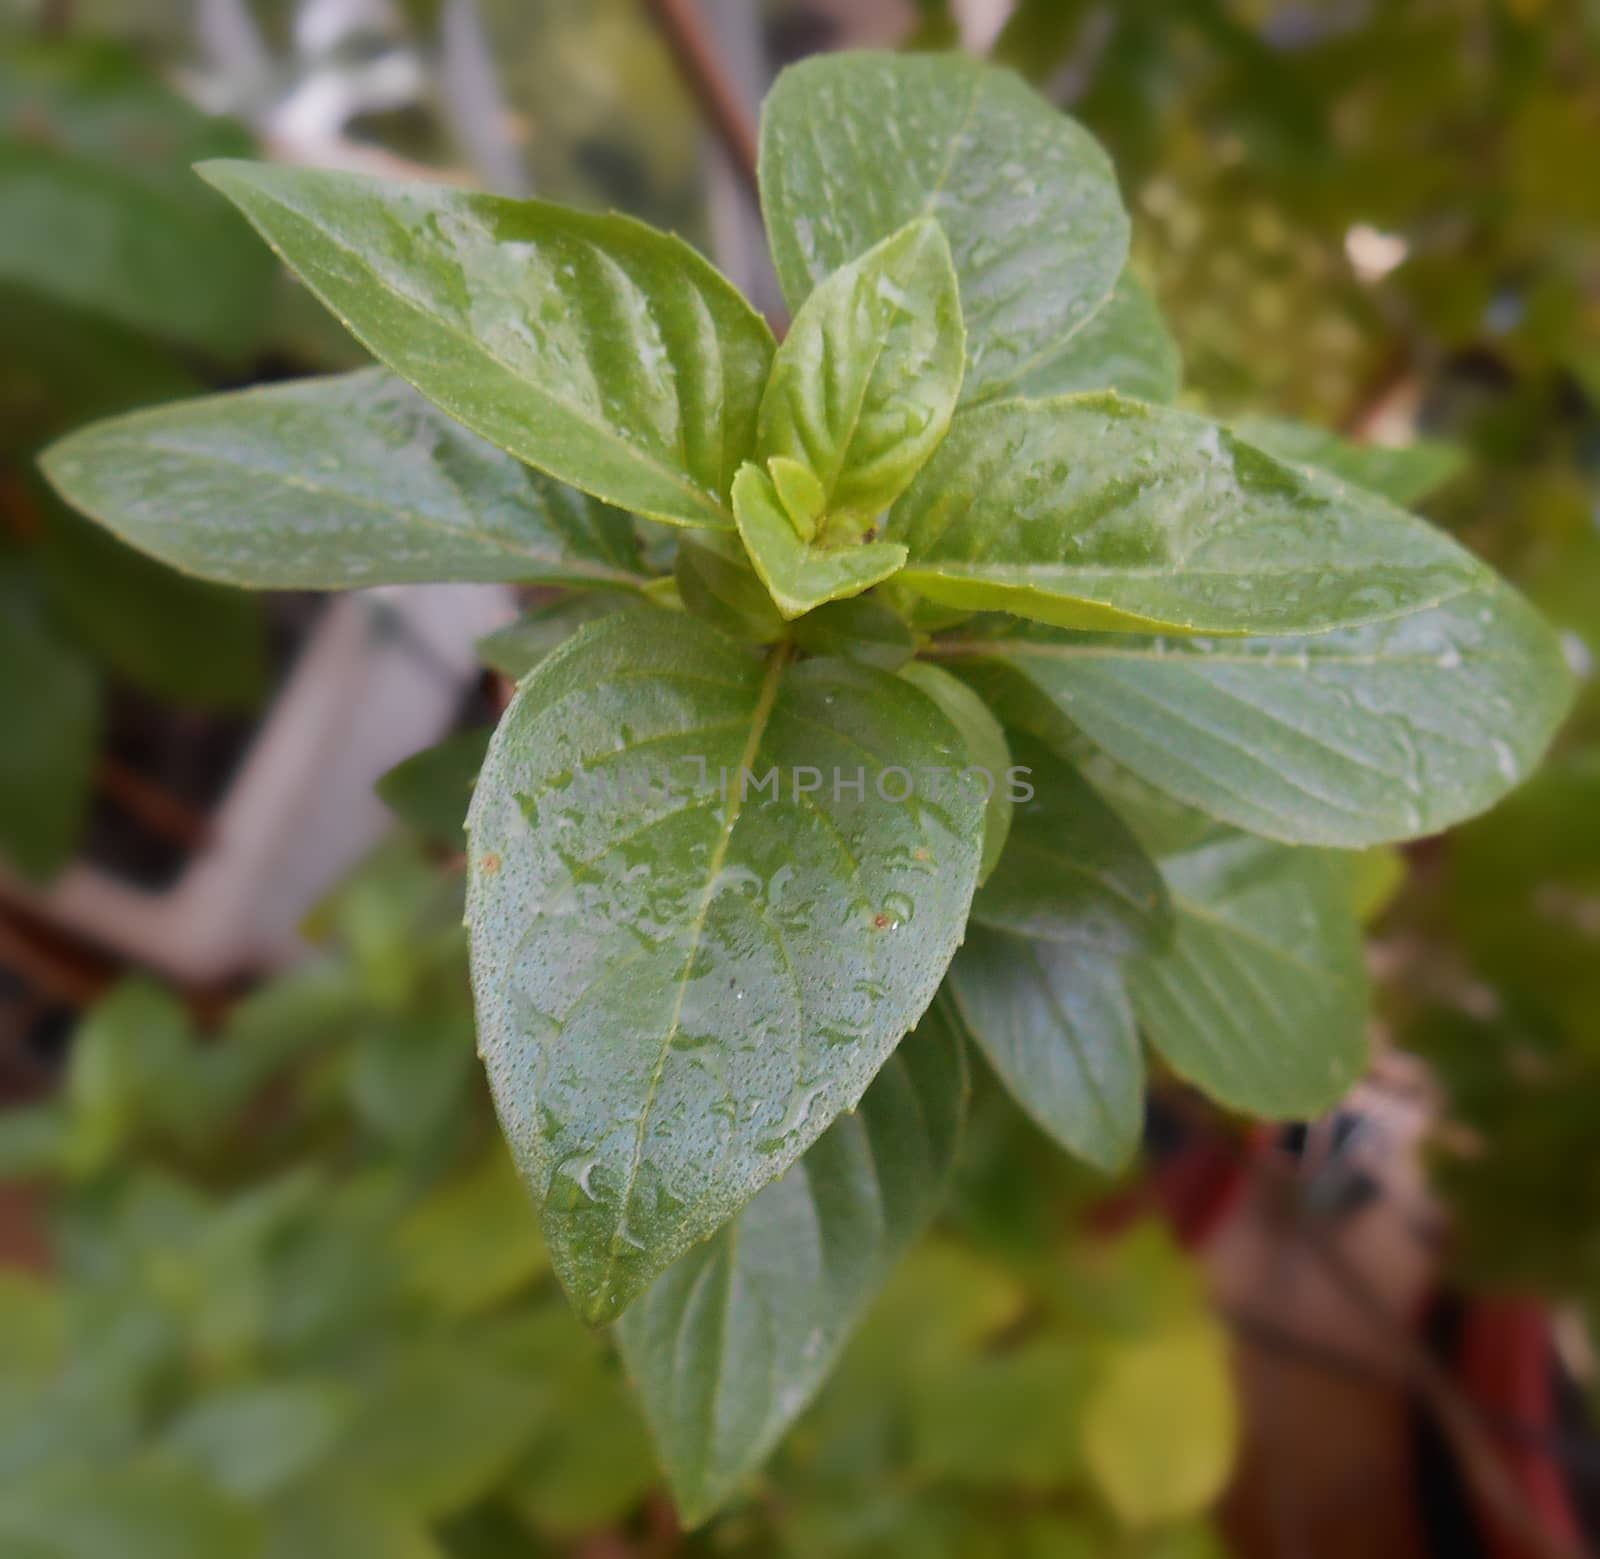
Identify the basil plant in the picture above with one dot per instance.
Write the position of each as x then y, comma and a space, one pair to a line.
921, 678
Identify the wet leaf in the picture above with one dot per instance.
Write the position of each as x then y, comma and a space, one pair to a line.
988, 769
853, 146
715, 581
603, 352
1090, 511
333, 484
728, 1346
860, 629
1124, 346
1389, 731
864, 385
678, 990
799, 576
1260, 999
515, 650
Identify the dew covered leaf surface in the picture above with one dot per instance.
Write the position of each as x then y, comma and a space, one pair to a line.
593, 347
732, 1341
1096, 512
864, 385
800, 577
678, 993
1387, 731
854, 146
337, 483
987, 753
1123, 346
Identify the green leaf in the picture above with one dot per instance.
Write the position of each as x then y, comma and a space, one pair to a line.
334, 1520
1261, 998
443, 1423
63, 367
1073, 872
989, 769
1388, 731
1038, 980
1160, 1427
1089, 511
516, 650
1404, 475
33, 1324
1054, 1021
134, 1511
129, 1073
101, 209
253, 1440
799, 576
331, 484
410, 1073
1005, 1421
854, 146
1124, 346
864, 385
730, 1343
715, 581
860, 629
50, 711
678, 990
472, 1244
593, 347
178, 638
432, 789
589, 1463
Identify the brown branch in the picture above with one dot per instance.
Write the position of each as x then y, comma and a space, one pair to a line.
59, 970
152, 805
701, 66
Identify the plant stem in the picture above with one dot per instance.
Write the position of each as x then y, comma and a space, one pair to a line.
701, 65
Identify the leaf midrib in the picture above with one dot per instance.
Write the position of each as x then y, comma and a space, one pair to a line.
760, 718
423, 521
441, 322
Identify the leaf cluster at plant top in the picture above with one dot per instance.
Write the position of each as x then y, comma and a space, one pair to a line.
927, 533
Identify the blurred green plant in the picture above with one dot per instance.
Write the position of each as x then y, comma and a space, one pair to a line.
296, 1306
122, 282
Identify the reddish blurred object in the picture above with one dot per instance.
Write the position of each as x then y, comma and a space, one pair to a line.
1506, 1361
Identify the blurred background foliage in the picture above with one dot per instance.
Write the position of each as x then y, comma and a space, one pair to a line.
291, 1302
